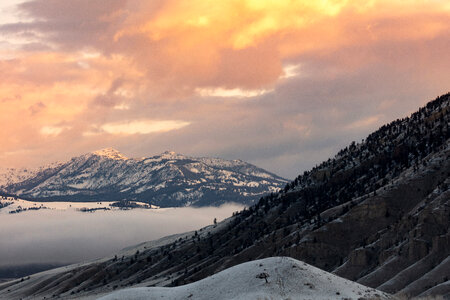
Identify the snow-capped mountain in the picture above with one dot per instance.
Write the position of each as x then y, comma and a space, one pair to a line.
9, 176
168, 179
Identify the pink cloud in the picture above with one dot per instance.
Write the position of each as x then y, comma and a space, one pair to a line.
83, 64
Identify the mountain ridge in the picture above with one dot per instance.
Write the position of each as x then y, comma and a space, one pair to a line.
168, 179
110, 153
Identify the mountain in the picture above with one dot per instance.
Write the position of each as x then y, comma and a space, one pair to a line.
169, 179
270, 278
378, 213
10, 176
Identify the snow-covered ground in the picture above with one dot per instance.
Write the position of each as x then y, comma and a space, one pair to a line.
17, 204
287, 278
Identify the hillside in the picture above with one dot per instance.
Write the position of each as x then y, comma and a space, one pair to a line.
270, 278
164, 180
378, 213
10, 176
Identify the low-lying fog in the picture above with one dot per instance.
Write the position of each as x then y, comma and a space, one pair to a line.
66, 236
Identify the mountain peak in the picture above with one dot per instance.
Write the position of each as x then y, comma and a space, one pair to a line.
171, 155
110, 153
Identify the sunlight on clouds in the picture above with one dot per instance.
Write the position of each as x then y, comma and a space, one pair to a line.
290, 71
143, 127
84, 64
230, 93
122, 106
200, 21
8, 11
211, 44
41, 87
53, 130
126, 93
240, 24
275, 16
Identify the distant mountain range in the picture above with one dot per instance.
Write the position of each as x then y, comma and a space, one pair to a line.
166, 180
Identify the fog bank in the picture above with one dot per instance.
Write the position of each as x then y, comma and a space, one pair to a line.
55, 236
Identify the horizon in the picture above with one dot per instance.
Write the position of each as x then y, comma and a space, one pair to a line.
283, 85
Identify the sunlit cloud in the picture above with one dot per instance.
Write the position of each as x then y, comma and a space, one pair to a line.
143, 127
230, 93
292, 78
290, 71
121, 106
9, 11
53, 130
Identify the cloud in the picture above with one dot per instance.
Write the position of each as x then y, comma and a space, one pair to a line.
290, 71
143, 126
53, 130
36, 108
230, 93
121, 106
180, 46
312, 70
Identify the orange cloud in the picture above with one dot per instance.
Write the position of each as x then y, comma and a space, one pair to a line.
140, 127
83, 64
199, 43
42, 92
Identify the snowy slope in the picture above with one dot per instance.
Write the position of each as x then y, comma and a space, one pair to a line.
287, 278
17, 205
169, 179
9, 176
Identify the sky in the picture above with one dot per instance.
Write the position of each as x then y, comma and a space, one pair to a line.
283, 84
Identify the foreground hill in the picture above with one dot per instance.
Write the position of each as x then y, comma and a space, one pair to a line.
378, 213
164, 180
270, 278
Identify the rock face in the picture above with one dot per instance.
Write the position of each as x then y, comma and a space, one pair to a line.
378, 213
165, 180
